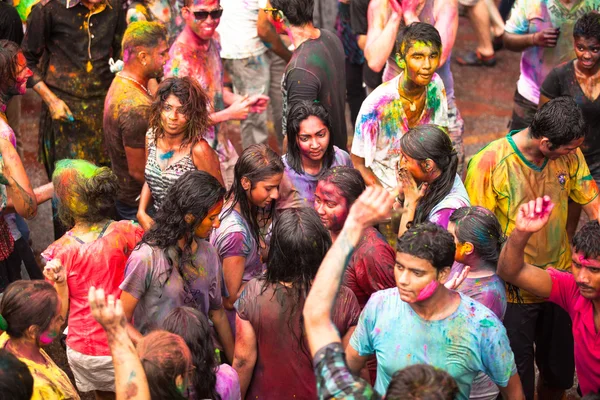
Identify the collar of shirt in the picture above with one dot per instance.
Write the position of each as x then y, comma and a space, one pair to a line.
96, 9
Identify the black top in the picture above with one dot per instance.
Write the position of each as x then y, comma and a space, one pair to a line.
561, 81
317, 72
11, 27
360, 26
75, 53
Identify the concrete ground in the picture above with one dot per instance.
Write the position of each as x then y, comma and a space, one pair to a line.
484, 97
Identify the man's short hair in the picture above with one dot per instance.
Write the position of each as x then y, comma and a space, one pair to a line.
560, 120
142, 34
587, 240
588, 26
297, 12
418, 32
422, 382
429, 242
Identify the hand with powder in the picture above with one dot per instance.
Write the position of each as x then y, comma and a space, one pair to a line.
534, 215
55, 272
412, 192
457, 278
411, 10
546, 38
258, 103
60, 111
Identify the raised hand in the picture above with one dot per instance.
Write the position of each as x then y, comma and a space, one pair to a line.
412, 192
534, 215
374, 205
546, 38
60, 111
258, 103
457, 278
55, 272
108, 312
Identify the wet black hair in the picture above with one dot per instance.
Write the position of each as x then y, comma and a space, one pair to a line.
418, 32
298, 113
8, 68
430, 242
588, 26
297, 12
479, 226
430, 142
587, 240
349, 182
560, 120
16, 382
422, 382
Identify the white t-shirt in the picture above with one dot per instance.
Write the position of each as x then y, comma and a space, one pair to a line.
239, 37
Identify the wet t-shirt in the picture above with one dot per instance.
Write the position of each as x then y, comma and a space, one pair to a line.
561, 81
283, 368
470, 340
160, 287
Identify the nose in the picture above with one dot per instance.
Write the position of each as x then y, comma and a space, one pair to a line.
427, 64
216, 223
274, 193
314, 144
319, 208
582, 276
403, 279
29, 73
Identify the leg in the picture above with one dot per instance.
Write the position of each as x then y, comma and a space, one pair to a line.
355, 92
277, 70
26, 254
480, 19
523, 112
520, 321
456, 128
554, 352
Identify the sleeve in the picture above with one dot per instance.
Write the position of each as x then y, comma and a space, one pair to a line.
361, 339
137, 271
479, 180
583, 186
564, 291
133, 122
496, 355
245, 305
232, 244
551, 87
375, 262
215, 298
301, 85
442, 217
366, 132
346, 310
34, 44
358, 16
518, 22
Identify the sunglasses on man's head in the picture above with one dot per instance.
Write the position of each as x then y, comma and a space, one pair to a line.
214, 14
275, 13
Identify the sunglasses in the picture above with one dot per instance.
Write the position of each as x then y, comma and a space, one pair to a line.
202, 15
276, 14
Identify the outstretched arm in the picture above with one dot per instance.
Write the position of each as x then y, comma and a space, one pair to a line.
512, 267
384, 18
374, 205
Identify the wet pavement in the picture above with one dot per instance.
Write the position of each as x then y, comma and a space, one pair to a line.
484, 96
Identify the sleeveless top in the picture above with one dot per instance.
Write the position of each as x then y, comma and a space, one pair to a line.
160, 181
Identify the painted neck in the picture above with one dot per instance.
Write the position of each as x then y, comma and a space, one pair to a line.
311, 166
409, 88
529, 146
26, 348
135, 71
334, 235
300, 34
480, 269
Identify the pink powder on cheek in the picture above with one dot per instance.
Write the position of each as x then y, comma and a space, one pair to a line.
48, 337
428, 290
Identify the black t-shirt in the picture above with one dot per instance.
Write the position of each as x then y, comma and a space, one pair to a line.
317, 72
11, 27
360, 26
561, 81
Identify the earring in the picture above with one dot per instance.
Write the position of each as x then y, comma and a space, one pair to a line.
144, 64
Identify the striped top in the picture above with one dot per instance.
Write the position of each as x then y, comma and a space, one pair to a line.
159, 180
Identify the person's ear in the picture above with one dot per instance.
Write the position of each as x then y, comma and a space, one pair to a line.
427, 165
546, 143
444, 274
401, 63
189, 219
143, 57
32, 332
246, 184
467, 248
180, 384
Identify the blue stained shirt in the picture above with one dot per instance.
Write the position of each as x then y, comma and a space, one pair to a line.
470, 340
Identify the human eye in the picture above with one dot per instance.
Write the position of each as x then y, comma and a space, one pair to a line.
304, 138
331, 204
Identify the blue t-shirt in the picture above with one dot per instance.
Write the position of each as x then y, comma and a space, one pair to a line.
470, 340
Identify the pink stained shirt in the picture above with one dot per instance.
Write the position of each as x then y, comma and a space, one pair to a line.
566, 294
100, 263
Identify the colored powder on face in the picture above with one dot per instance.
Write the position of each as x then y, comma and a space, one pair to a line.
48, 337
428, 290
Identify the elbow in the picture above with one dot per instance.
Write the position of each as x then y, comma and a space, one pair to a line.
374, 64
228, 303
315, 315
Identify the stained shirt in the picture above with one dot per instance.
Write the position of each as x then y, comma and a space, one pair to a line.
562, 81
469, 341
76, 44
501, 179
381, 122
371, 266
161, 287
457, 198
275, 317
566, 294
126, 113
238, 30
187, 59
100, 263
531, 16
49, 381
298, 190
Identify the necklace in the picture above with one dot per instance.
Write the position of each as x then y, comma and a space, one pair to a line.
412, 106
133, 80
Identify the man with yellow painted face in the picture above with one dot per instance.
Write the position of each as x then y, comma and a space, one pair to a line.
415, 97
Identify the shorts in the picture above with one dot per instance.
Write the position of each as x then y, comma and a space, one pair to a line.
92, 372
549, 327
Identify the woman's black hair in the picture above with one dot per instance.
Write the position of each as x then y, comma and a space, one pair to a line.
430, 142
299, 243
479, 226
588, 26
298, 113
193, 327
8, 68
257, 163
347, 180
28, 303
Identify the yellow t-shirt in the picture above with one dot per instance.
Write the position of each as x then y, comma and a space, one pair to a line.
500, 179
49, 381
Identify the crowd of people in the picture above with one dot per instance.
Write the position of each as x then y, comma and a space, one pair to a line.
317, 265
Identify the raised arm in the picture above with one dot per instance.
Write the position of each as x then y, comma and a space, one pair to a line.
446, 22
130, 378
267, 33
374, 205
384, 18
531, 217
56, 273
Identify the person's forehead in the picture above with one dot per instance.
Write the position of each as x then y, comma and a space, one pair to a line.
582, 260
205, 4
410, 261
419, 46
